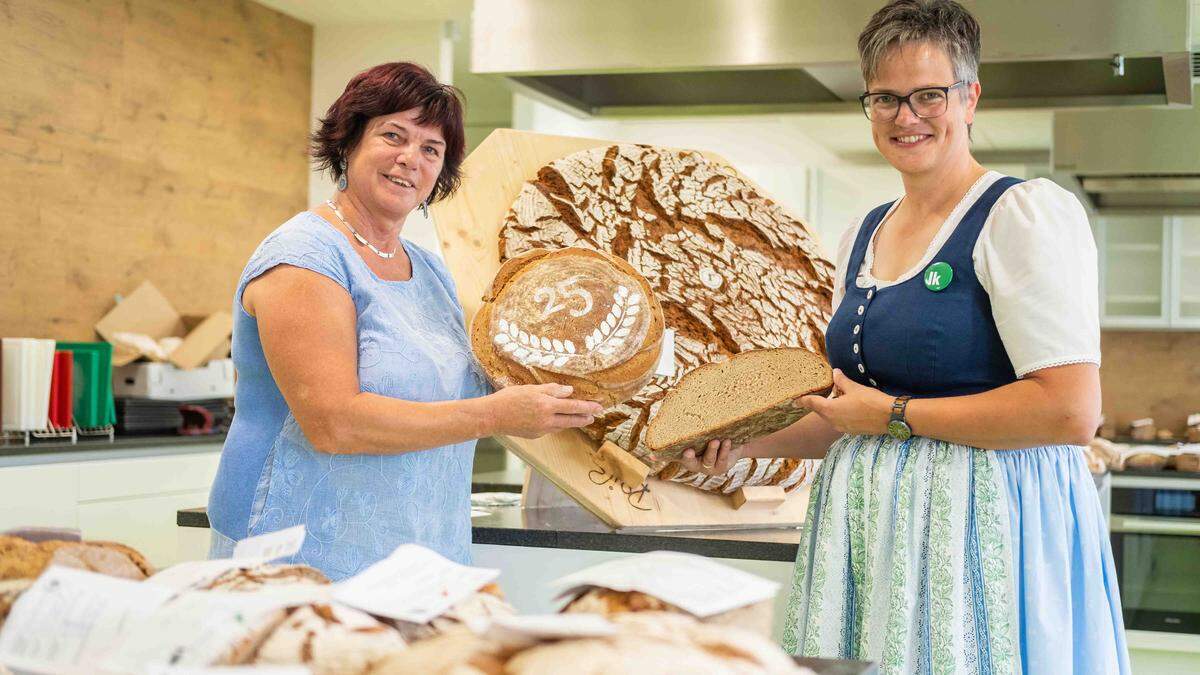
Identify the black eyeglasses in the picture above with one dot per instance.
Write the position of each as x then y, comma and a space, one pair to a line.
925, 102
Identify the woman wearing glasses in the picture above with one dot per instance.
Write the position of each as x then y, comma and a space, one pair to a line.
953, 526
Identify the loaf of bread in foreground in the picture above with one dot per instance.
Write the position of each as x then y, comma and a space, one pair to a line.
246, 579
744, 397
572, 316
644, 643
485, 603
608, 602
22, 559
330, 640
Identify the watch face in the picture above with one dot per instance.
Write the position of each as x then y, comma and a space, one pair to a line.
898, 430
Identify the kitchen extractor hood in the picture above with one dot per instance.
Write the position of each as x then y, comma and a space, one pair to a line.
672, 57
1131, 160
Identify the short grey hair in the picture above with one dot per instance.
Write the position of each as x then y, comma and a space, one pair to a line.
944, 23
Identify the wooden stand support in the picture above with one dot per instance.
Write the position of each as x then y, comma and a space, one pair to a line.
765, 497
623, 465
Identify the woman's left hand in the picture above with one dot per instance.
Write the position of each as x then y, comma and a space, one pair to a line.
852, 408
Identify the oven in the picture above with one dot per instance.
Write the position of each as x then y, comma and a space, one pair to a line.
1155, 529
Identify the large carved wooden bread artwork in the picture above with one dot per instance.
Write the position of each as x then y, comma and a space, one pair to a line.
574, 316
732, 271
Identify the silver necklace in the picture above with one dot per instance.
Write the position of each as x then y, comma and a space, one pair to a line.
359, 237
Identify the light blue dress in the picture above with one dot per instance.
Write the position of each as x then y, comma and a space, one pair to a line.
356, 508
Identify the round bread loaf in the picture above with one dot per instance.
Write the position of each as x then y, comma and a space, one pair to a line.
485, 603
253, 578
572, 316
608, 602
460, 653
1145, 461
21, 559
330, 640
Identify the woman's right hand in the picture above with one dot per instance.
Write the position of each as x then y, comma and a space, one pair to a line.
713, 458
534, 410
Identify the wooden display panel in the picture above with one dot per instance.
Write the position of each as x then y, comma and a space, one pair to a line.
468, 226
154, 140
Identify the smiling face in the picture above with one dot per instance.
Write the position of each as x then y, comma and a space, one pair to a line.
396, 164
912, 145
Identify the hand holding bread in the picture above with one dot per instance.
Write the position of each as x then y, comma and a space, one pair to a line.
852, 408
534, 410
713, 458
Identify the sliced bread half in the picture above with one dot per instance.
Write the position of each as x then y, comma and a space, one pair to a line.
745, 397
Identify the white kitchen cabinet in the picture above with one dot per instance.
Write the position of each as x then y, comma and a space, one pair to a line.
1186, 274
1149, 271
1135, 267
132, 500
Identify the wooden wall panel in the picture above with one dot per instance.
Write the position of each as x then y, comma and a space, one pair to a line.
143, 139
1150, 374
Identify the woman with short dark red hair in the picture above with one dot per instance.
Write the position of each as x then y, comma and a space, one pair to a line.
358, 399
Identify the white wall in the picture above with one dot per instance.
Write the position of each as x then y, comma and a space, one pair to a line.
340, 51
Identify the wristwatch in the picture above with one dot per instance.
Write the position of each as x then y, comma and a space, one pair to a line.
897, 426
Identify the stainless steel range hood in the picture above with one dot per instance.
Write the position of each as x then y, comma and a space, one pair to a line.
1145, 160
672, 57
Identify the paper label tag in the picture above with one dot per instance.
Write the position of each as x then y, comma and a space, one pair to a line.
196, 572
194, 629
70, 619
666, 356
536, 628
1144, 422
412, 584
271, 546
691, 582
1193, 420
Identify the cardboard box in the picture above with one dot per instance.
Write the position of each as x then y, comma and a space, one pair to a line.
148, 312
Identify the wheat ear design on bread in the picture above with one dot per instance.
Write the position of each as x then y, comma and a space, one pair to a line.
744, 397
573, 316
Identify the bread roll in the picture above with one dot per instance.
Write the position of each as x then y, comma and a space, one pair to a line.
756, 618
21, 559
488, 602
330, 640
265, 574
460, 653
1145, 461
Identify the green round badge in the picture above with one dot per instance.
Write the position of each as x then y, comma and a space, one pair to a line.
938, 276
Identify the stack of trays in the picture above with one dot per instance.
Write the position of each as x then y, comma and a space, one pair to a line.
147, 416
92, 383
26, 370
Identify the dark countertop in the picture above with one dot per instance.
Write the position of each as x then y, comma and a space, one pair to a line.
89, 448
573, 528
